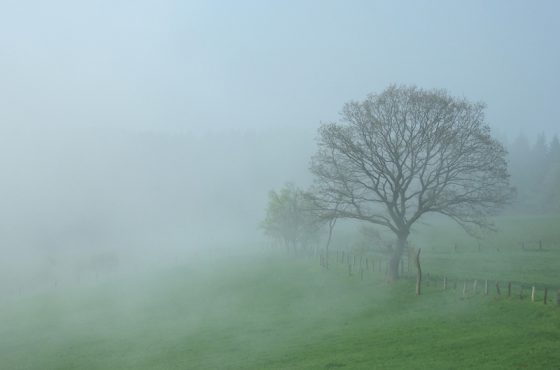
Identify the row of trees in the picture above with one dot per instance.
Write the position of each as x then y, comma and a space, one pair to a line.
290, 218
396, 157
535, 172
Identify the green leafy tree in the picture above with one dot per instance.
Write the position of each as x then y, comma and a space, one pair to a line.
290, 218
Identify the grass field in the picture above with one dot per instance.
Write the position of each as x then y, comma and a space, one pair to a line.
501, 255
510, 254
275, 312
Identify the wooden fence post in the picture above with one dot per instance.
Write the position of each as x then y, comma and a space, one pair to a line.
498, 287
474, 286
464, 289
419, 272
509, 289
485, 287
444, 282
545, 295
533, 294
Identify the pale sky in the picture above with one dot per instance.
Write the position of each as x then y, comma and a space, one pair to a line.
236, 65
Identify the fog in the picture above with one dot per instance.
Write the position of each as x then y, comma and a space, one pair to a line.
199, 66
151, 195
138, 137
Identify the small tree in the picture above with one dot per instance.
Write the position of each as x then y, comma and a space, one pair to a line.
290, 219
408, 152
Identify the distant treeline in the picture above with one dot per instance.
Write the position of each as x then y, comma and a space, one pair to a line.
535, 172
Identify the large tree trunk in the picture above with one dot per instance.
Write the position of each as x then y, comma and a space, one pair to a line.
332, 223
393, 273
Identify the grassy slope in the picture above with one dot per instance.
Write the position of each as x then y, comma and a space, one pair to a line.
501, 256
270, 314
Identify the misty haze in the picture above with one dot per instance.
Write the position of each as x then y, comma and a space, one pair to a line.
279, 185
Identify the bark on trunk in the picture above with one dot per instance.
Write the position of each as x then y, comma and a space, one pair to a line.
396, 256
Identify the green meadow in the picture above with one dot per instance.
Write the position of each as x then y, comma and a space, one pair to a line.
271, 311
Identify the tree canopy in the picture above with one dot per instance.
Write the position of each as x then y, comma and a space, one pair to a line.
290, 217
407, 152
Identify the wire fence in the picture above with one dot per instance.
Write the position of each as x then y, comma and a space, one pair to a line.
364, 266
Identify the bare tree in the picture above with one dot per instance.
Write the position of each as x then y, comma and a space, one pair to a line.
407, 152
